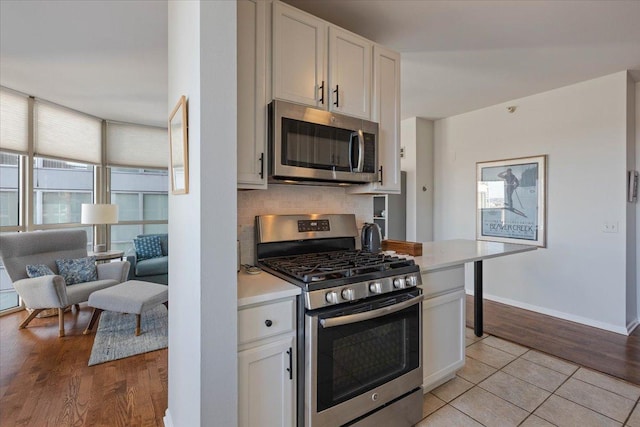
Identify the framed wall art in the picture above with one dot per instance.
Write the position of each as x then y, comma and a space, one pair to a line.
179, 148
511, 200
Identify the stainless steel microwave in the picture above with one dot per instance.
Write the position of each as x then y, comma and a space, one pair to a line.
311, 145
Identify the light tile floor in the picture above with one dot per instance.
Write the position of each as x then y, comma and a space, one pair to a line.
506, 384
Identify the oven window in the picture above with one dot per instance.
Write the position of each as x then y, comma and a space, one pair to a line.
358, 357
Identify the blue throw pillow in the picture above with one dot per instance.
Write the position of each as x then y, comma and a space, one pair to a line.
147, 247
38, 270
78, 270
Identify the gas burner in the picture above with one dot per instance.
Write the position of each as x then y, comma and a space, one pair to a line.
324, 261
317, 267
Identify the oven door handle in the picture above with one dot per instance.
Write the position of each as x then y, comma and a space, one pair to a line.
368, 315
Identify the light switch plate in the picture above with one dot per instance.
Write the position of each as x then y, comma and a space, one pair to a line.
610, 227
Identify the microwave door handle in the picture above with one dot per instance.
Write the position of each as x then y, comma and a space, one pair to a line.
351, 138
368, 315
361, 151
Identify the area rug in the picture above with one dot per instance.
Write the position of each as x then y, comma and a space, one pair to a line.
116, 338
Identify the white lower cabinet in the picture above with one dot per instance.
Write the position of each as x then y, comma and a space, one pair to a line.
443, 334
266, 390
266, 365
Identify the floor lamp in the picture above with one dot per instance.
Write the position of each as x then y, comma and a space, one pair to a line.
98, 214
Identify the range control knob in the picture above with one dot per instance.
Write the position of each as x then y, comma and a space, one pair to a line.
399, 283
331, 297
375, 287
411, 280
348, 294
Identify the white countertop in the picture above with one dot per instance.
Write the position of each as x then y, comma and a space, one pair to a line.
263, 287
447, 253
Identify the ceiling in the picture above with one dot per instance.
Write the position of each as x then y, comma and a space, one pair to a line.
109, 58
105, 58
458, 56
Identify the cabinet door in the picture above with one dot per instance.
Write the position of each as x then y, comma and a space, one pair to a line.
386, 111
299, 42
252, 101
349, 74
266, 390
443, 338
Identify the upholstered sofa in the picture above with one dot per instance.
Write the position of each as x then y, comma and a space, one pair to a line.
155, 269
53, 248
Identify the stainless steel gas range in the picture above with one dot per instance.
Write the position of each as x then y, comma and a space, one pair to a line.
359, 322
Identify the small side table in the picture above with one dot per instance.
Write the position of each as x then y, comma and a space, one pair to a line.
106, 256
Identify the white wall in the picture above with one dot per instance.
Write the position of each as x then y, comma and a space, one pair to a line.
202, 224
295, 199
582, 128
416, 135
637, 123
632, 255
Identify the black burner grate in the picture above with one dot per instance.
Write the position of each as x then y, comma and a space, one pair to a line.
322, 266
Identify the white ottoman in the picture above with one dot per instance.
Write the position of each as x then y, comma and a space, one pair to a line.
133, 296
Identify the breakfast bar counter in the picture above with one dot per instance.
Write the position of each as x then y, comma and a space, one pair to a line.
448, 253
445, 254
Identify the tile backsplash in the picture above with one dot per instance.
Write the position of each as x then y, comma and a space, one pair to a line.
292, 199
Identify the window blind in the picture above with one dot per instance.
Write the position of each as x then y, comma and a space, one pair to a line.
14, 122
137, 145
67, 134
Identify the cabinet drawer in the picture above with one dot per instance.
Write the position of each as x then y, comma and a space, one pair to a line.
253, 321
441, 281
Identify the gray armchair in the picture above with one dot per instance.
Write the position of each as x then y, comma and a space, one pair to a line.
18, 250
152, 269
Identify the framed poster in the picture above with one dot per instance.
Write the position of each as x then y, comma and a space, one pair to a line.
511, 196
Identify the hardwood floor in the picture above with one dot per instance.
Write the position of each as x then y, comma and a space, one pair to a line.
604, 351
45, 380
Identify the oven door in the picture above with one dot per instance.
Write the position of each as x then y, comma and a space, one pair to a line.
361, 357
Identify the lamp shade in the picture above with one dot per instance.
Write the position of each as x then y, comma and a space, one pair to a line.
99, 214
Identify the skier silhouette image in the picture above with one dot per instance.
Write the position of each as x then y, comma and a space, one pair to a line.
510, 184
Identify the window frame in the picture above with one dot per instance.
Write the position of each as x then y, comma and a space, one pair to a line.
101, 182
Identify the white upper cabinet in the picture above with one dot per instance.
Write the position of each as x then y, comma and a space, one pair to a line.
301, 72
350, 73
386, 112
285, 53
252, 94
299, 56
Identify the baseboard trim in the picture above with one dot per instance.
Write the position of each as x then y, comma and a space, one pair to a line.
631, 326
438, 383
167, 419
561, 315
